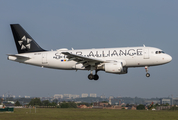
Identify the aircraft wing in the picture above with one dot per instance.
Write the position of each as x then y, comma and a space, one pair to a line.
82, 59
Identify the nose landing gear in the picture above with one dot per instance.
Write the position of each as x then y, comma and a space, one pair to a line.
147, 74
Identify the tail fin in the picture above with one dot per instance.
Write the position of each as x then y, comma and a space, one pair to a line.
24, 42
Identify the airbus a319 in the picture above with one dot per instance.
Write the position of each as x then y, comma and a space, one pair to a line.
110, 60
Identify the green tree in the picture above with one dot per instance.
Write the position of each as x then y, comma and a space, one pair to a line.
72, 105
46, 103
174, 108
68, 105
167, 104
35, 101
55, 101
64, 105
140, 107
53, 104
156, 105
127, 105
17, 103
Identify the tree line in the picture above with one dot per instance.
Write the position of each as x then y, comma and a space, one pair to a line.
64, 104
38, 102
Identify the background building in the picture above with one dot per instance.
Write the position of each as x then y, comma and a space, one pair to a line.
74, 96
27, 96
58, 96
165, 100
84, 95
93, 95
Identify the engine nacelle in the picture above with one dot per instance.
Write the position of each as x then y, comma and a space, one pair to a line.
115, 67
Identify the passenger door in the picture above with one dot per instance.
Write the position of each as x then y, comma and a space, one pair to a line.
146, 54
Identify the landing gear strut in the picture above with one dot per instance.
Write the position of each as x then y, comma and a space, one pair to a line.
147, 74
96, 77
91, 76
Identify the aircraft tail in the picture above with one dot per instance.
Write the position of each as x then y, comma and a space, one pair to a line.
24, 42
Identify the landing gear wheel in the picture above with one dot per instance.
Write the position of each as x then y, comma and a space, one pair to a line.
90, 76
96, 77
147, 75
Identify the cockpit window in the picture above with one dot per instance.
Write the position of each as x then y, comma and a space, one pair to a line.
159, 52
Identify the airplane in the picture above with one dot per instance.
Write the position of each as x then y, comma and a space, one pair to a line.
110, 60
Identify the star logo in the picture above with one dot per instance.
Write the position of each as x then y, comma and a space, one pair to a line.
25, 43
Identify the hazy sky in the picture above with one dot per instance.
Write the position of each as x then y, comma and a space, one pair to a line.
77, 24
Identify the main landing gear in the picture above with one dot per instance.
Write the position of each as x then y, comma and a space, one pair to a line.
93, 77
147, 74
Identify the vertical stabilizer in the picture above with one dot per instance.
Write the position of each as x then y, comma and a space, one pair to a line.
24, 42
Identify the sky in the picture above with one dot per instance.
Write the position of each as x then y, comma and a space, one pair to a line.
87, 24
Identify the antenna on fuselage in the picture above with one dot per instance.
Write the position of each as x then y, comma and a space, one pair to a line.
143, 45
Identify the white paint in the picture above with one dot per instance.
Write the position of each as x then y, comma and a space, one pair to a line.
130, 61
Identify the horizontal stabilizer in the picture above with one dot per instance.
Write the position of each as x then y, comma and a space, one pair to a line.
19, 56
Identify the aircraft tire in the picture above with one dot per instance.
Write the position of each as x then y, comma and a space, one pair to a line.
96, 77
148, 75
90, 76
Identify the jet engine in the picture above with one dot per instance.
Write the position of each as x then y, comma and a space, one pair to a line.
115, 67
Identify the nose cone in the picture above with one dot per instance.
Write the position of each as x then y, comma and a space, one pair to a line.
168, 58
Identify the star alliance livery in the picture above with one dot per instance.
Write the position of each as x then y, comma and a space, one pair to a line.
110, 60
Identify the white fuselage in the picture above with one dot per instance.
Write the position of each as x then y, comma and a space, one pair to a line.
130, 56
110, 60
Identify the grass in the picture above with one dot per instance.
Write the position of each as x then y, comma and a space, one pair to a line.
88, 114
